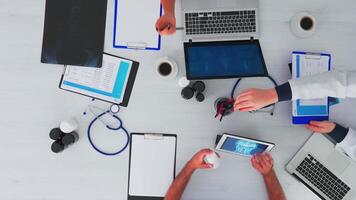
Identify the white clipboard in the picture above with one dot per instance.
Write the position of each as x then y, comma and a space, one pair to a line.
134, 24
113, 82
152, 165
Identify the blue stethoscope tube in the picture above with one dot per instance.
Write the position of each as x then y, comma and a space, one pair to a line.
110, 128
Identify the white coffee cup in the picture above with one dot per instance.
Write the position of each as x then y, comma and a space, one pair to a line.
166, 68
303, 25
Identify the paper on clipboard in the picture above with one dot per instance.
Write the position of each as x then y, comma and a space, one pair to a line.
152, 165
307, 65
310, 65
134, 24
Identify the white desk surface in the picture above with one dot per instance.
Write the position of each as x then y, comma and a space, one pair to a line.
31, 104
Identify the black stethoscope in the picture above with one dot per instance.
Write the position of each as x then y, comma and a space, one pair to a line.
113, 111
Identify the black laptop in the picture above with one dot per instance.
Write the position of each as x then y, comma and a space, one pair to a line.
74, 32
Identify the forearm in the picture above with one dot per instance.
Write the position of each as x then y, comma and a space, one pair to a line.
274, 188
177, 188
168, 6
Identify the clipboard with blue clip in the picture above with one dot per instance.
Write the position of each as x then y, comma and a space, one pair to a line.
306, 64
134, 24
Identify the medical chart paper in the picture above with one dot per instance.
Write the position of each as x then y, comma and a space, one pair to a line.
304, 65
107, 83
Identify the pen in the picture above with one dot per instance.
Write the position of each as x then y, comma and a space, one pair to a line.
166, 27
222, 115
169, 27
218, 110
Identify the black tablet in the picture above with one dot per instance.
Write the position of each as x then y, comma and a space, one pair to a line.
224, 59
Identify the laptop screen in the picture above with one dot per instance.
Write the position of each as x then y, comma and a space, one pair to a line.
228, 59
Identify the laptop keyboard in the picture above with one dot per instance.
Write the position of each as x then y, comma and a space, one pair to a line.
226, 22
322, 178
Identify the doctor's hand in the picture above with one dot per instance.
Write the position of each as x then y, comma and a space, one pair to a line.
166, 24
321, 127
197, 161
263, 163
254, 99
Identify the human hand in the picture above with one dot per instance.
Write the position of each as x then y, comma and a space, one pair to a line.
197, 161
166, 24
254, 99
263, 163
321, 127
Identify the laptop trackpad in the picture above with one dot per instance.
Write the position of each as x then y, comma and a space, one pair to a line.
338, 162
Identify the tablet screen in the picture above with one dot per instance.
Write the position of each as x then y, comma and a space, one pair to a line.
244, 147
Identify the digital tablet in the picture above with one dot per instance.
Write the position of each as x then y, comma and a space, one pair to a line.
242, 145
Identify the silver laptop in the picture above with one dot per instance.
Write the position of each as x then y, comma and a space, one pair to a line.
220, 19
329, 173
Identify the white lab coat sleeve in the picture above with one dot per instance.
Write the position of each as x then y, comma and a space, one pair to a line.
339, 84
348, 145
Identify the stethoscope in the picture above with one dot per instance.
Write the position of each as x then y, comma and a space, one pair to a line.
271, 112
113, 111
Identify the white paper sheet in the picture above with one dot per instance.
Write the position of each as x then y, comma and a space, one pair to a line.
152, 166
311, 65
135, 23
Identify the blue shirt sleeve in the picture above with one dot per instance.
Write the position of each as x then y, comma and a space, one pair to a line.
339, 133
284, 92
